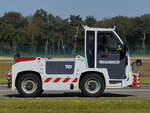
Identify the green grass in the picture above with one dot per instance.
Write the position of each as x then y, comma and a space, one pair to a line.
75, 105
3, 80
4, 68
145, 80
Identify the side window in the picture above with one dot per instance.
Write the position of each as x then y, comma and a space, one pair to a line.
90, 48
107, 41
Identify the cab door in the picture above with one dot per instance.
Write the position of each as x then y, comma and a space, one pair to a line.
110, 54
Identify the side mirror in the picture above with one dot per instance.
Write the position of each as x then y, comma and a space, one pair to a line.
139, 62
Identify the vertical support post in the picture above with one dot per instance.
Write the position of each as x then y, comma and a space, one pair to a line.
95, 55
85, 51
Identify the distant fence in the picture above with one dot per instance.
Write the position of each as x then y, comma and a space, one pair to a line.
40, 52
139, 52
64, 52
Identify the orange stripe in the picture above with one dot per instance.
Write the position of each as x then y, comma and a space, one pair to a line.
66, 80
56, 80
47, 80
75, 80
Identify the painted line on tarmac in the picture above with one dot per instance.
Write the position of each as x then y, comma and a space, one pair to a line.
107, 90
143, 90
1, 85
4, 90
104, 91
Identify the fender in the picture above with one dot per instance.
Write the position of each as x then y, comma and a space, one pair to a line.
81, 68
103, 71
34, 65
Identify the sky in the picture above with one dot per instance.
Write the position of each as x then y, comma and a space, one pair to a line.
64, 8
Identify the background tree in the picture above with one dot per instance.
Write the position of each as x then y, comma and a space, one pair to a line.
43, 31
8, 35
125, 26
76, 24
33, 33
15, 18
145, 24
90, 21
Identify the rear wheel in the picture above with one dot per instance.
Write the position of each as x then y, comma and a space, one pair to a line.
29, 85
92, 85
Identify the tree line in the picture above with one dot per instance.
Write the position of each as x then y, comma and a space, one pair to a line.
43, 30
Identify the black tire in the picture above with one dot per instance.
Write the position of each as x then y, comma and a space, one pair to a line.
92, 85
29, 85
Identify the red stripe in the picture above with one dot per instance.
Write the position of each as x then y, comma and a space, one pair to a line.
66, 80
75, 80
20, 59
9, 75
47, 80
56, 80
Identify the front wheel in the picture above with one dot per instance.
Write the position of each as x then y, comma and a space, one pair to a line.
92, 85
29, 85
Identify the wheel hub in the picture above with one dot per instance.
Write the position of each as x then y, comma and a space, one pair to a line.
92, 86
29, 86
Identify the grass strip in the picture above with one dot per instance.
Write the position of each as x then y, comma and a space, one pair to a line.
145, 80
75, 105
3, 80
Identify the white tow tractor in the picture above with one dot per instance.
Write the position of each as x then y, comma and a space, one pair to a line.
106, 64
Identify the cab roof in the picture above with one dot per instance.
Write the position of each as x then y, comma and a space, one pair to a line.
98, 29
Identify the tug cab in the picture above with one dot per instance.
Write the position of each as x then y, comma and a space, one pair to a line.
105, 49
106, 64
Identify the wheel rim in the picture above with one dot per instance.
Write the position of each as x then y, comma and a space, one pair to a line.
29, 86
92, 86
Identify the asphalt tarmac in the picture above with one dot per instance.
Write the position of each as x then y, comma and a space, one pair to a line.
143, 92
